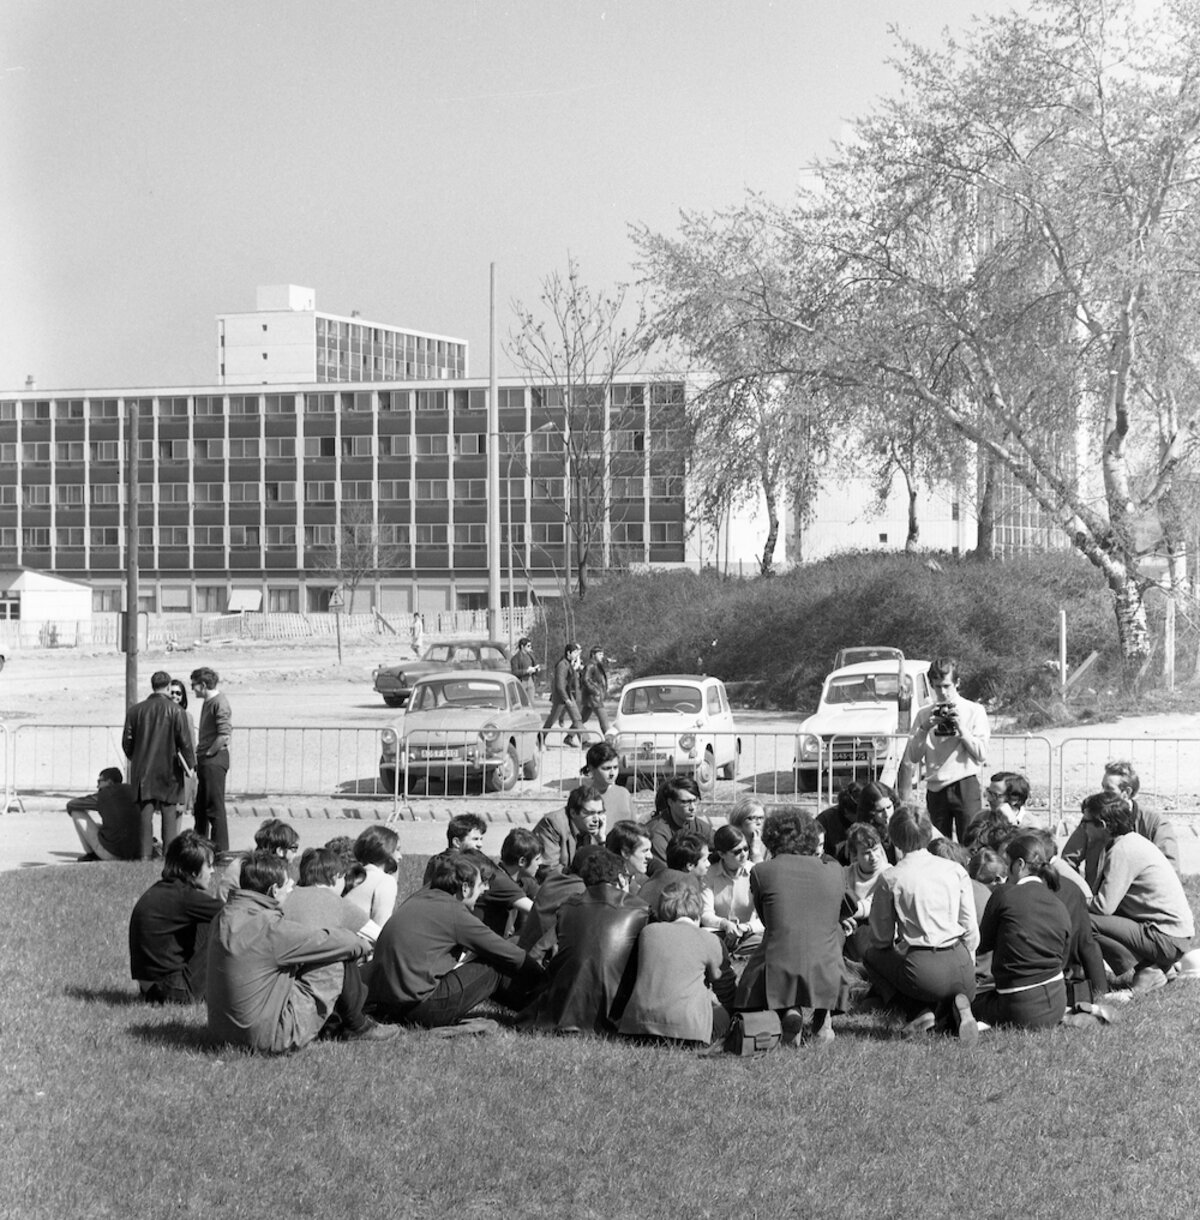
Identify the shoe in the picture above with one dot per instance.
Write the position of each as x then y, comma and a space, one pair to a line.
1105, 1016
570, 740
371, 1031
1148, 978
823, 1032
87, 858
968, 1027
472, 1027
922, 1023
792, 1024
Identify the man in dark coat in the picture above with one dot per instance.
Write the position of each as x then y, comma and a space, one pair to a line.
157, 740
591, 976
564, 695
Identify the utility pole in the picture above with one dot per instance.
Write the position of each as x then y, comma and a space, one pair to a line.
131, 557
493, 473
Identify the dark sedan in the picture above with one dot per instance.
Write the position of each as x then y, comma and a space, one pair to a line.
395, 682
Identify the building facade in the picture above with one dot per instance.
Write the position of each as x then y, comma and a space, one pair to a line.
290, 491
286, 341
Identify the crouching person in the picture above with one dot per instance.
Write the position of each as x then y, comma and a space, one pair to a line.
274, 984
419, 977
118, 833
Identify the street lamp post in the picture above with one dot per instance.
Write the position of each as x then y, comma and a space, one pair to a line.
513, 449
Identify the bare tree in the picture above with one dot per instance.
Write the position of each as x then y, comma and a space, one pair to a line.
358, 551
575, 345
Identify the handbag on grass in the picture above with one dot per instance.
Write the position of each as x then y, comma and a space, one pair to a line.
752, 1033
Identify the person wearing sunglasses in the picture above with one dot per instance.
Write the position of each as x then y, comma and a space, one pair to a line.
177, 693
675, 811
728, 902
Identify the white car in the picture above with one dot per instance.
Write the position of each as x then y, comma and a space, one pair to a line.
676, 724
861, 726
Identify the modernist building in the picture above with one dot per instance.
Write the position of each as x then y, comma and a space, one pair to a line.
286, 342
259, 489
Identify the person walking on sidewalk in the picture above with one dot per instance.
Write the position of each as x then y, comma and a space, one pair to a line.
595, 690
157, 740
564, 695
212, 757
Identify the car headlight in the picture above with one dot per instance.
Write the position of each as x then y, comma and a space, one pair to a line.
687, 741
881, 744
389, 737
490, 733
810, 746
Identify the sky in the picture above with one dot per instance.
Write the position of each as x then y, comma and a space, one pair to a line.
161, 158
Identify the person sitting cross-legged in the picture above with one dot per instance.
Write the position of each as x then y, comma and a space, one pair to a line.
169, 927
275, 984
317, 901
1140, 914
118, 833
418, 977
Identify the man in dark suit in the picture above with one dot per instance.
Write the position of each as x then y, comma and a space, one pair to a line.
157, 740
212, 757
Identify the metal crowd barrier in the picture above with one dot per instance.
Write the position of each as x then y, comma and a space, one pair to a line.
332, 763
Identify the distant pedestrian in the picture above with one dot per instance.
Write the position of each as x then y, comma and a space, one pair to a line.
212, 757
564, 694
595, 690
158, 743
418, 632
524, 666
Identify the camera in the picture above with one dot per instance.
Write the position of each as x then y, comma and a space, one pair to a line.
944, 719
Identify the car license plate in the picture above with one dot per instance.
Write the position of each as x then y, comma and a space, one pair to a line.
647, 750
436, 755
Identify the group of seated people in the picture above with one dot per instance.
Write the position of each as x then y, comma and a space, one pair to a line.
590, 923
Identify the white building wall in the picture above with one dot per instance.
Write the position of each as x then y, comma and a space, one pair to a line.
274, 347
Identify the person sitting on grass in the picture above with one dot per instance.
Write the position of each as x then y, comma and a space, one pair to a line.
168, 930
601, 767
728, 903
836, 820
317, 901
581, 824
1140, 914
1027, 931
675, 805
592, 974
861, 877
628, 839
118, 833
685, 984
464, 834
419, 977
377, 849
924, 934
275, 985
1005, 815
511, 889
281, 839
687, 860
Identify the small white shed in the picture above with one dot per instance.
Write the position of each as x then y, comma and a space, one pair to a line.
38, 610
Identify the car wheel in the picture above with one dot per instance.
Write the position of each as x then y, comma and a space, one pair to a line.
532, 767
730, 769
395, 700
806, 781
503, 776
391, 781
705, 774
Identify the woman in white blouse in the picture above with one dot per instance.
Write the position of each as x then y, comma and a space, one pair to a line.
728, 903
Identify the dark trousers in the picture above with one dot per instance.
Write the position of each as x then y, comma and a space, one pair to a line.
571, 708
922, 978
953, 808
454, 996
170, 825
1127, 944
210, 799
1035, 1008
600, 713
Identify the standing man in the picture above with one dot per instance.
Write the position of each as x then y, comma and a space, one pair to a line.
950, 737
212, 758
564, 694
157, 740
524, 666
595, 690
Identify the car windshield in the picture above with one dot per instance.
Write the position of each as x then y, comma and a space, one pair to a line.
863, 688
437, 652
646, 700
458, 693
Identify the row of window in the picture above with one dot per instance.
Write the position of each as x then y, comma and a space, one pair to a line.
282, 537
331, 402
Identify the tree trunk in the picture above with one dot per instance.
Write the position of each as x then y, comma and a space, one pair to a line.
914, 526
985, 517
766, 565
1132, 631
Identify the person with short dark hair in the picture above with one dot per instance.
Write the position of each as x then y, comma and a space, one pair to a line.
464, 835
628, 840
798, 895
317, 901
592, 972
861, 877
168, 929
212, 756
512, 887
595, 690
728, 902
1140, 914
562, 834
600, 771
950, 737
118, 833
278, 837
687, 860
685, 985
274, 984
417, 978
157, 740
675, 805
564, 696
924, 933
837, 819
524, 666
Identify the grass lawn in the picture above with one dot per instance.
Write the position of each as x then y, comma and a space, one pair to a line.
111, 1108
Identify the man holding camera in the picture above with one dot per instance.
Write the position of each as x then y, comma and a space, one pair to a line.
950, 737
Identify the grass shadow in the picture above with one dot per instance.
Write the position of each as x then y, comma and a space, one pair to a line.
118, 997
176, 1033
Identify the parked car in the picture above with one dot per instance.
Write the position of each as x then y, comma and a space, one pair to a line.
865, 652
462, 725
395, 682
677, 724
859, 730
